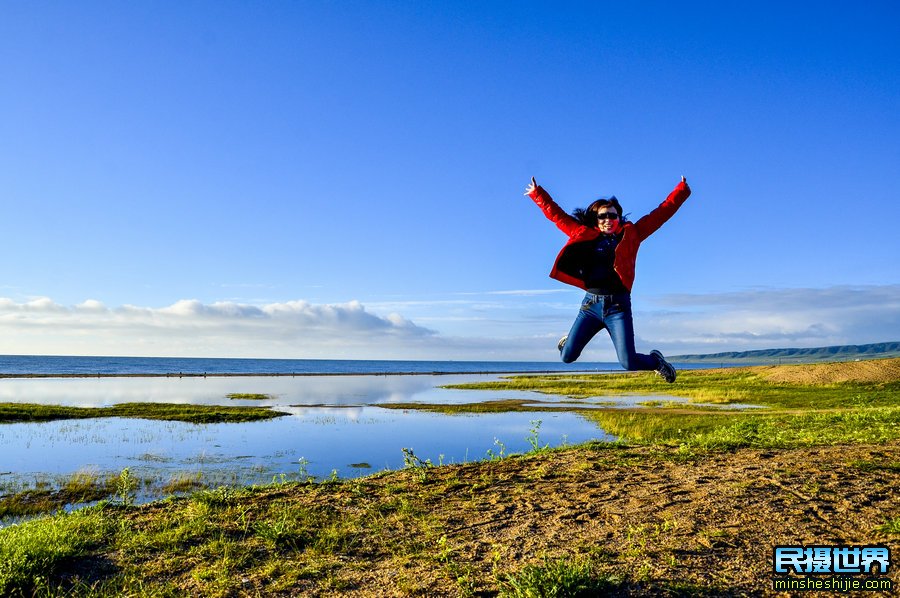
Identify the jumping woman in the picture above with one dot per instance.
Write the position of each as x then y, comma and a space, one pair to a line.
599, 258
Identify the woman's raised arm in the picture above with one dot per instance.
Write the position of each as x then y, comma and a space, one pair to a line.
553, 212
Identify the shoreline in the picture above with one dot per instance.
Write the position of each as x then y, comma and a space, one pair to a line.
296, 374
628, 520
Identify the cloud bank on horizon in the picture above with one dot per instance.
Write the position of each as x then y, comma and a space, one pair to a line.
773, 318
683, 323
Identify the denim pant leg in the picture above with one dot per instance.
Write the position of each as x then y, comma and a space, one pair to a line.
587, 324
618, 321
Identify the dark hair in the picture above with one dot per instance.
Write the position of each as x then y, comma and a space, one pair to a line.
588, 216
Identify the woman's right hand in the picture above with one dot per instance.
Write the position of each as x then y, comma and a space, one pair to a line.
531, 187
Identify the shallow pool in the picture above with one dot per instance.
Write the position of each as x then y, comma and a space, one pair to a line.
335, 424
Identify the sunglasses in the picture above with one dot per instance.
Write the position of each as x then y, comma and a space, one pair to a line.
607, 216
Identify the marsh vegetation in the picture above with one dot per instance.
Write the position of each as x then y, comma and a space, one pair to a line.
183, 412
803, 405
686, 502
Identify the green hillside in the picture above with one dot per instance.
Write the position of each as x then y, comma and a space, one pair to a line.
804, 355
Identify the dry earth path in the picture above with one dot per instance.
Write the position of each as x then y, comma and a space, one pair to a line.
667, 526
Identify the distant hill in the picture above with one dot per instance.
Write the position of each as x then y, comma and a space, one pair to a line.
836, 353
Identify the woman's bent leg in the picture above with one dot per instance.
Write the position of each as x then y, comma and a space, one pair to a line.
586, 325
621, 330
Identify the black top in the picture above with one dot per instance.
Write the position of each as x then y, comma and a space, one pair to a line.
599, 276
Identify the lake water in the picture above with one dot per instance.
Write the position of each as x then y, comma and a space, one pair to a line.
86, 365
336, 424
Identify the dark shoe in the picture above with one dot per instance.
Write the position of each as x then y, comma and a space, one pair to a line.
562, 343
665, 368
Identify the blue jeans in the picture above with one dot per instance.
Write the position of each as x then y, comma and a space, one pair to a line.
612, 312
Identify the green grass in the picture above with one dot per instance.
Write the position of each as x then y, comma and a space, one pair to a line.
794, 415
560, 578
33, 552
812, 429
706, 386
877, 465
728, 431
195, 414
221, 536
890, 527
498, 406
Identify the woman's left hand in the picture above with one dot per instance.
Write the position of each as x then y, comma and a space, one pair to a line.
531, 187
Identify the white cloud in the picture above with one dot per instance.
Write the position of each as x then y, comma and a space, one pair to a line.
193, 328
514, 326
41, 304
765, 318
91, 305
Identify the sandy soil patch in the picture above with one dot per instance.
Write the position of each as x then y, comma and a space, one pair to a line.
703, 527
874, 371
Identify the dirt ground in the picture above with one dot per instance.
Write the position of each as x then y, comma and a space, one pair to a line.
669, 527
871, 371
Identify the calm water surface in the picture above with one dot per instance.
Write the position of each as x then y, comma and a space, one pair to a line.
335, 424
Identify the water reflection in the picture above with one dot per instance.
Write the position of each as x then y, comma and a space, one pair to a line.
335, 424
301, 390
329, 439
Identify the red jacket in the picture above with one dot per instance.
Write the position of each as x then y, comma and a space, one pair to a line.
633, 234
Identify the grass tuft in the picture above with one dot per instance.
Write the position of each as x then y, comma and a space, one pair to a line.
890, 527
557, 579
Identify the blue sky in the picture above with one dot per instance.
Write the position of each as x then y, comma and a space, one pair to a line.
344, 179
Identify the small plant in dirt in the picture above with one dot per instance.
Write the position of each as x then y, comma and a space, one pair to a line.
532, 437
413, 462
303, 473
282, 533
223, 496
866, 465
501, 451
890, 527
557, 579
126, 487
